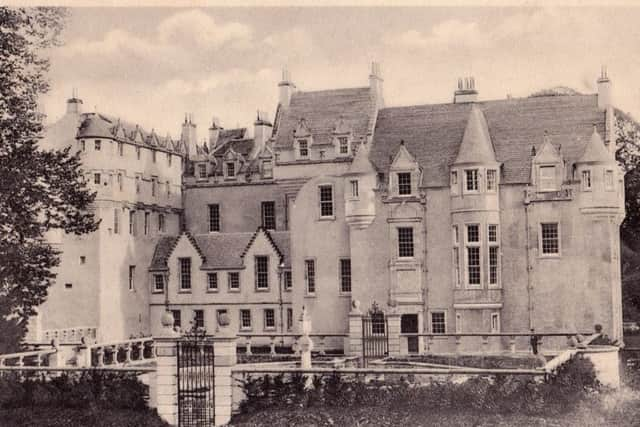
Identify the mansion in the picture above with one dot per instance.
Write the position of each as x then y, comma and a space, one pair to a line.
466, 217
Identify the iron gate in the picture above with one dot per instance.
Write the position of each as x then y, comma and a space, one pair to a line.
195, 382
375, 338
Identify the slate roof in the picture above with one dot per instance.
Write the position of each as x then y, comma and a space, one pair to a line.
163, 250
322, 110
283, 242
220, 250
100, 125
433, 133
223, 250
240, 146
226, 135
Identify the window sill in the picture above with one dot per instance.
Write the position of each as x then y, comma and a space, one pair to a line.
345, 294
157, 292
310, 295
270, 329
243, 329
550, 256
262, 289
327, 218
212, 291
184, 291
234, 290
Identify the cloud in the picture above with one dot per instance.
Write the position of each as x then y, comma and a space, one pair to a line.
196, 28
218, 80
447, 34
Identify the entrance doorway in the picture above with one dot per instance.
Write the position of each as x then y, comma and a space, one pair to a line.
409, 325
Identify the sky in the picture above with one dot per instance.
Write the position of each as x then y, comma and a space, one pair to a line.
152, 65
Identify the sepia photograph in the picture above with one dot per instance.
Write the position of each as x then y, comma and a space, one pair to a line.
319, 214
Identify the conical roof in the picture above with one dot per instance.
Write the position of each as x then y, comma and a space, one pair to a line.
476, 146
595, 151
361, 163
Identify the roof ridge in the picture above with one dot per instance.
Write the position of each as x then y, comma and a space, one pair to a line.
489, 101
344, 89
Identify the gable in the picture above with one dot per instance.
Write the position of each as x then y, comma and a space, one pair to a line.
548, 153
185, 247
403, 160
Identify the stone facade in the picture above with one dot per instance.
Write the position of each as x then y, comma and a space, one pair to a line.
469, 217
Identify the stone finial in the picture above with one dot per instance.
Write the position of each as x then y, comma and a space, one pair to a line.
355, 307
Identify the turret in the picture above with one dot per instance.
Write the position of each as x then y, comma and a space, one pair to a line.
601, 188
360, 183
475, 172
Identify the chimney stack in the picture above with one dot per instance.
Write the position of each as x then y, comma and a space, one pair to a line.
214, 133
189, 135
604, 90
466, 91
286, 88
74, 104
262, 131
376, 83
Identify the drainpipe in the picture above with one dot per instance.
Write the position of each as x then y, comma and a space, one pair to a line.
529, 267
280, 303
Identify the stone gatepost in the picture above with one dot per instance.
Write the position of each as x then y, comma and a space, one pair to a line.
164, 387
393, 334
224, 347
355, 329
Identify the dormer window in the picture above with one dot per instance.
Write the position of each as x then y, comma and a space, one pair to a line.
586, 180
343, 145
404, 183
303, 148
471, 177
547, 178
267, 169
202, 171
230, 169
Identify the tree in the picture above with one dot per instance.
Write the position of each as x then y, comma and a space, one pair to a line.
40, 189
628, 155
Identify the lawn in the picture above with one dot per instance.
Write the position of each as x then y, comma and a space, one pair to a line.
619, 408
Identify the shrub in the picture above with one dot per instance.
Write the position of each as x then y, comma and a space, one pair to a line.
495, 394
77, 390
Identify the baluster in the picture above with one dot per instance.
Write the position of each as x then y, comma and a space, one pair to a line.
114, 355
127, 353
512, 344
152, 349
272, 345
295, 347
427, 343
321, 348
458, 343
20, 361
485, 343
100, 355
38, 360
248, 345
2, 361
